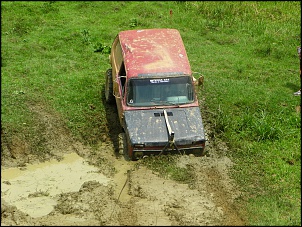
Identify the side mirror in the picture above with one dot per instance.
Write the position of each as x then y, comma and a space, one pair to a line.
199, 81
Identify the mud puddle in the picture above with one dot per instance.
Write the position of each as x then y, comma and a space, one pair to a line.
33, 189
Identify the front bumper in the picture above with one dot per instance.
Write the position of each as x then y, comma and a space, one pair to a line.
197, 150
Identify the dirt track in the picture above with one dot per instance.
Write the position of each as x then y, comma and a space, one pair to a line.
77, 185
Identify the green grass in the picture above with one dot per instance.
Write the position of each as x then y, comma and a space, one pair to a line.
56, 54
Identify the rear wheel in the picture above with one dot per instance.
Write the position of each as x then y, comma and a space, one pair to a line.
109, 87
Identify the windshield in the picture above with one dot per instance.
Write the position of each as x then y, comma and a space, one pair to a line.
160, 91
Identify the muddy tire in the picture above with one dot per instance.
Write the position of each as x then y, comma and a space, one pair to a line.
201, 152
109, 87
122, 146
121, 141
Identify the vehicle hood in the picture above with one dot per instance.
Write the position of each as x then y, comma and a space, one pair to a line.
149, 127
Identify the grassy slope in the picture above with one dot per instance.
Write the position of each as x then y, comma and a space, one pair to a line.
245, 50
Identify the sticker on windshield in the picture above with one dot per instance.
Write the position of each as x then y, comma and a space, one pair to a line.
156, 81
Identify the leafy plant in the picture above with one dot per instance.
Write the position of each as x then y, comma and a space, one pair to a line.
86, 36
103, 49
133, 23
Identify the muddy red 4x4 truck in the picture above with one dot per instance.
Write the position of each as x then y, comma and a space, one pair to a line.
150, 80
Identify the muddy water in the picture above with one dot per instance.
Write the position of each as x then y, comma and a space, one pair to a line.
33, 189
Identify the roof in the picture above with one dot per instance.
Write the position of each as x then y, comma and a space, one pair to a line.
151, 51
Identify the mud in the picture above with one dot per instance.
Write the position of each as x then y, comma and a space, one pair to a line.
78, 185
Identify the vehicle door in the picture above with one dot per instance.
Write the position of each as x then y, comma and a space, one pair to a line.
119, 78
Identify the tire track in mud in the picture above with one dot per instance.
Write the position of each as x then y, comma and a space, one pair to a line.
173, 203
152, 200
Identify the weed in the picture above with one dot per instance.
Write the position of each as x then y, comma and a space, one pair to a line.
264, 50
49, 7
133, 23
103, 49
86, 37
20, 27
221, 123
265, 128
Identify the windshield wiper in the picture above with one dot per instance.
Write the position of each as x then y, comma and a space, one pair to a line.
163, 102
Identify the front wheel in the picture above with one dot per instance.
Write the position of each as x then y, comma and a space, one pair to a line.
109, 87
201, 152
123, 146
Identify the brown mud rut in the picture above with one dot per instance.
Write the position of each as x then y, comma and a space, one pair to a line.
77, 185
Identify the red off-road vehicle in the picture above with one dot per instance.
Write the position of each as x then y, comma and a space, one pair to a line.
150, 80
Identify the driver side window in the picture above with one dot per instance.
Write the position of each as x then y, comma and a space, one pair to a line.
122, 77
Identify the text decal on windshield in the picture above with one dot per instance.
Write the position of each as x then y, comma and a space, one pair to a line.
156, 81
